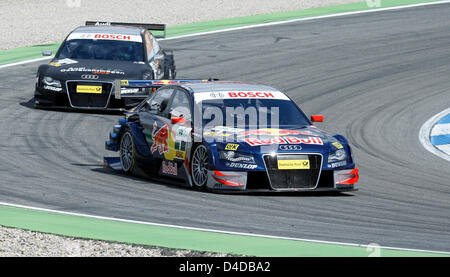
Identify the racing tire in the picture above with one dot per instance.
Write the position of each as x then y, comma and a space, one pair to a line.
127, 153
199, 167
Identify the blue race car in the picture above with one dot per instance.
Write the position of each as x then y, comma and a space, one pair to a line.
229, 136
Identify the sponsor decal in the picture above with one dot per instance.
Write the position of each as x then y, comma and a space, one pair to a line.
160, 139
240, 95
183, 133
169, 168
337, 164
217, 95
276, 132
337, 145
284, 140
62, 62
105, 36
98, 23
102, 72
240, 165
216, 134
226, 129
180, 146
89, 89
250, 94
290, 147
93, 70
223, 131
52, 88
231, 146
180, 154
124, 82
170, 142
165, 82
112, 37
293, 164
129, 90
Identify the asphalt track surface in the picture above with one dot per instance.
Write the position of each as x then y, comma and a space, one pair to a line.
375, 77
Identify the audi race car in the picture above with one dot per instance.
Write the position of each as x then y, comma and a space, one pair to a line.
230, 136
82, 73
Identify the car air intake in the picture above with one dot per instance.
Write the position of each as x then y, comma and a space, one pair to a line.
88, 94
293, 171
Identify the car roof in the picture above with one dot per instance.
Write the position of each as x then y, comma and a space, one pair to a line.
124, 30
198, 87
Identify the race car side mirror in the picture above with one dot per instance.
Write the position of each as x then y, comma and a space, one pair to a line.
317, 118
176, 120
163, 105
46, 53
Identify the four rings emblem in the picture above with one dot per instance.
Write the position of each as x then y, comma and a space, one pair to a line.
290, 147
89, 77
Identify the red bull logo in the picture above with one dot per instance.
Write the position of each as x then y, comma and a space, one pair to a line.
165, 82
169, 168
160, 139
284, 140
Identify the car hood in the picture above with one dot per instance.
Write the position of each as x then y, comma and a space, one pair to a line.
68, 69
270, 140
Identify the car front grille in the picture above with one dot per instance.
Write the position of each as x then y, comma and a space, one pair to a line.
285, 179
88, 100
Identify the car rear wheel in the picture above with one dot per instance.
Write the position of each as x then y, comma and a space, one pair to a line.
199, 167
127, 152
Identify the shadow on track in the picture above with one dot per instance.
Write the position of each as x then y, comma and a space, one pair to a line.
178, 185
30, 104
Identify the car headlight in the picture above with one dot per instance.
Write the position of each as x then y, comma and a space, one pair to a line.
338, 155
49, 81
233, 156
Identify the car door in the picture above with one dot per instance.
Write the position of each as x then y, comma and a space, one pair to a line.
178, 118
180, 115
166, 125
155, 122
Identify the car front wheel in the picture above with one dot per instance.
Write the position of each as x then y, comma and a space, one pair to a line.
127, 153
199, 167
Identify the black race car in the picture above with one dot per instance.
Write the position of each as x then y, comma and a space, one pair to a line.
82, 73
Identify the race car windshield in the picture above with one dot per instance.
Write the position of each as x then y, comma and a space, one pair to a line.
253, 113
97, 49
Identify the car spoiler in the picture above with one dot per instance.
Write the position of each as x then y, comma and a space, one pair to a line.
150, 27
154, 84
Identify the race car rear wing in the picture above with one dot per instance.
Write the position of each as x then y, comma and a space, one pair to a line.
154, 84
161, 28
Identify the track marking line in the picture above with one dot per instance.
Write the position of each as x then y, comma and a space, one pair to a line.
271, 24
219, 231
425, 134
309, 18
25, 62
440, 129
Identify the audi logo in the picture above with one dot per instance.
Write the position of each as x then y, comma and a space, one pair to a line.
290, 147
89, 77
